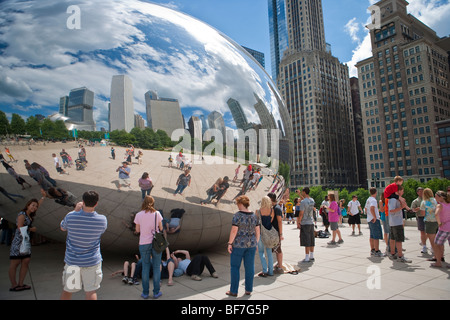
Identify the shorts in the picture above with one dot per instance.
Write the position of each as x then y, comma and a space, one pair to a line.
420, 223
431, 227
441, 236
290, 215
334, 226
397, 233
356, 219
307, 238
74, 278
125, 181
375, 230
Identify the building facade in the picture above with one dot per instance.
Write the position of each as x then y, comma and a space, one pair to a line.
404, 92
163, 113
278, 33
316, 89
78, 107
121, 109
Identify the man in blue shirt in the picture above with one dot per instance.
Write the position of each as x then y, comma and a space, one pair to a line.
83, 259
124, 175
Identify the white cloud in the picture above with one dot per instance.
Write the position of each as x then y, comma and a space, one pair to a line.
352, 28
433, 13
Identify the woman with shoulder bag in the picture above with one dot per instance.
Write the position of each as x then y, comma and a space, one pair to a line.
147, 221
265, 253
17, 256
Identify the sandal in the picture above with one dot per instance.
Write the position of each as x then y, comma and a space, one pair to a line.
229, 293
16, 288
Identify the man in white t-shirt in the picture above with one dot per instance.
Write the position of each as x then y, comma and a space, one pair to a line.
354, 208
373, 220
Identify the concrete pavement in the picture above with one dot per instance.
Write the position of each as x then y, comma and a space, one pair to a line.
339, 272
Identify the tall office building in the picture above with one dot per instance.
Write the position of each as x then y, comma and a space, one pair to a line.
64, 105
121, 108
195, 128
258, 55
215, 121
139, 121
278, 33
79, 108
316, 89
404, 92
163, 113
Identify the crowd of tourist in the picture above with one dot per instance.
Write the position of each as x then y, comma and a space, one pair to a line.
250, 232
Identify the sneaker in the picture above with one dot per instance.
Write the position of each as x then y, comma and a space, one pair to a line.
196, 277
332, 243
214, 275
393, 256
340, 241
135, 282
125, 280
353, 233
424, 250
404, 259
372, 252
156, 296
378, 254
360, 233
144, 296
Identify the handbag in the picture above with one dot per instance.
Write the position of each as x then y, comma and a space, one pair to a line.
159, 242
269, 238
25, 246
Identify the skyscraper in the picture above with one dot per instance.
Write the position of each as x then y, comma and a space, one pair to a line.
163, 113
215, 121
316, 89
121, 108
404, 92
278, 33
79, 108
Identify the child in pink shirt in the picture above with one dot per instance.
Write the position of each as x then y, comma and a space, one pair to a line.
443, 220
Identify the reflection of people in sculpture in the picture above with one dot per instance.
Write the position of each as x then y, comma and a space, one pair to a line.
245, 187
222, 189
211, 192
184, 180
61, 196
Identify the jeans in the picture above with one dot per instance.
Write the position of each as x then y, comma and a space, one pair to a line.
198, 264
146, 192
150, 258
265, 253
180, 189
236, 257
52, 181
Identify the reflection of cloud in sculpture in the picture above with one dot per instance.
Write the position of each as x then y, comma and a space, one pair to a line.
156, 47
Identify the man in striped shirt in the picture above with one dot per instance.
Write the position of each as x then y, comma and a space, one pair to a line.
83, 259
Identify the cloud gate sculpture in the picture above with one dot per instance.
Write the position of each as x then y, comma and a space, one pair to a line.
95, 61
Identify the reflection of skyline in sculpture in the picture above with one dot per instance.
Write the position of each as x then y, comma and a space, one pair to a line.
195, 127
78, 107
159, 49
163, 113
215, 121
122, 106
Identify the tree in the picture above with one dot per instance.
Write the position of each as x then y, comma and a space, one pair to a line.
32, 126
4, 124
285, 171
17, 124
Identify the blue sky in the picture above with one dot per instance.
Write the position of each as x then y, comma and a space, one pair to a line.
23, 72
246, 22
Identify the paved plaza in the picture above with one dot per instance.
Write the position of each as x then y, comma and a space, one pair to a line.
339, 272
345, 271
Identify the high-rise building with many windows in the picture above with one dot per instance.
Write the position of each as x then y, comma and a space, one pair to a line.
278, 33
121, 109
316, 89
404, 92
